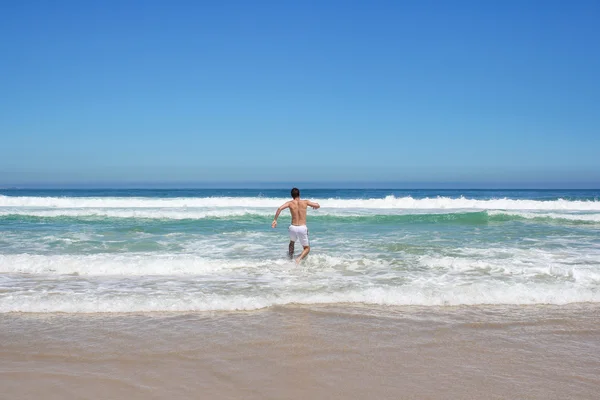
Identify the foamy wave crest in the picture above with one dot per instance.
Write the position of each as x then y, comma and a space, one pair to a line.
469, 263
176, 214
389, 202
121, 264
139, 202
96, 283
399, 215
479, 294
558, 216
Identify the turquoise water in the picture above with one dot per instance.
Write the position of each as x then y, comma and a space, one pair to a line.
180, 250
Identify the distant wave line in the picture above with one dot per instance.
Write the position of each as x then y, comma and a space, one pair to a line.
389, 202
438, 216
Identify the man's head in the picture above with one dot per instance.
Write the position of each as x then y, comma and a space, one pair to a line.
295, 193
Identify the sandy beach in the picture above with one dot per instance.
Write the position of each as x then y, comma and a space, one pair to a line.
300, 352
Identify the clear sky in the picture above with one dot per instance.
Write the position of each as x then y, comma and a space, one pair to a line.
212, 91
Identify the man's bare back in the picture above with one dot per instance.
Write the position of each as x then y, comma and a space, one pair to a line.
298, 211
298, 229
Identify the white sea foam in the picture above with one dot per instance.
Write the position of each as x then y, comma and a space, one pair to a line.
563, 216
119, 264
494, 262
175, 282
148, 264
521, 265
389, 202
225, 207
146, 213
478, 294
193, 213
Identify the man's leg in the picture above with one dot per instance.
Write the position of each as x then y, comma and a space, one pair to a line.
291, 249
303, 254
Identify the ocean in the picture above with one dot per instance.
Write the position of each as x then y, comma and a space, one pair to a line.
95, 251
181, 294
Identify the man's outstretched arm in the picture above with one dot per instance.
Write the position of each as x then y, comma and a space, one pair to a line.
313, 204
279, 210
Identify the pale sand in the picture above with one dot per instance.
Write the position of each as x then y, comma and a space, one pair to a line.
321, 352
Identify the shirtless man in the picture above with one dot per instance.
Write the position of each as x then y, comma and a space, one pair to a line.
298, 229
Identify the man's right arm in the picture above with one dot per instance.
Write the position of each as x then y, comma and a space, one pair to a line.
279, 210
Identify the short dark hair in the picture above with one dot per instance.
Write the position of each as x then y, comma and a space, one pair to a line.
295, 193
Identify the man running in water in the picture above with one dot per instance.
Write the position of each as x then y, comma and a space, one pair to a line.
298, 229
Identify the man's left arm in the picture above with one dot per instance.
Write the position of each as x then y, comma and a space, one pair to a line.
313, 204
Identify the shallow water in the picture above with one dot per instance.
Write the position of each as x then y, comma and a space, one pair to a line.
152, 250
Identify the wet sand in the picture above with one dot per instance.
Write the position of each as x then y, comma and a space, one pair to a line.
319, 352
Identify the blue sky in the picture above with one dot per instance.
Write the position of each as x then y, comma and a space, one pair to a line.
406, 91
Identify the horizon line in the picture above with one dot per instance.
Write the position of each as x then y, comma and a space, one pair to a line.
339, 184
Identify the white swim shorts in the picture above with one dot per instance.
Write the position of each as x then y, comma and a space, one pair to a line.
299, 233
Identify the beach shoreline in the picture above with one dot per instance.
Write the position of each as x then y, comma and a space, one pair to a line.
338, 351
